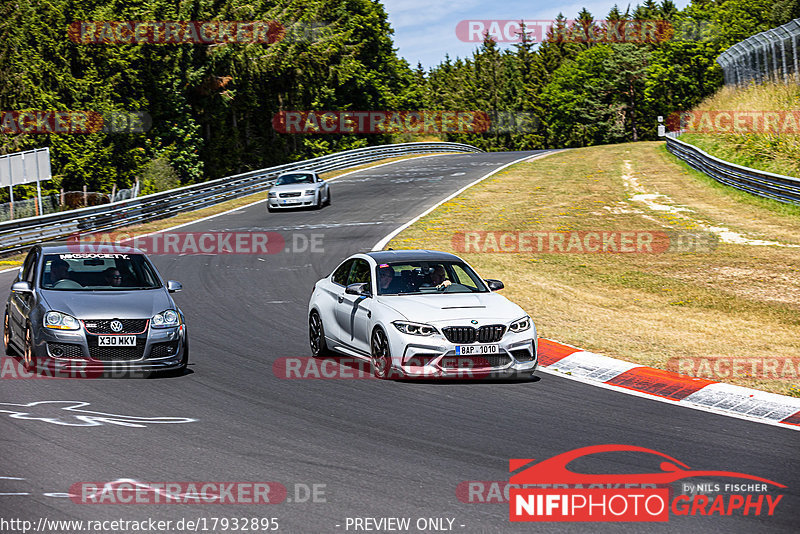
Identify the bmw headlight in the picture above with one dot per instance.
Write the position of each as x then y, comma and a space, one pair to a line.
165, 319
60, 321
415, 329
520, 325
273, 194
309, 192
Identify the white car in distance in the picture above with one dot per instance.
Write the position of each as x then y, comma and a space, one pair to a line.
297, 189
420, 313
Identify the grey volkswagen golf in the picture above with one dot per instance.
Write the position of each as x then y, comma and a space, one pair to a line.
107, 312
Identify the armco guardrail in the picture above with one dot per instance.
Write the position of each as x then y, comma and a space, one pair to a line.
765, 184
20, 234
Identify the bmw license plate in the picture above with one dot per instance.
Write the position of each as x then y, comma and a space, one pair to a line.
116, 341
472, 350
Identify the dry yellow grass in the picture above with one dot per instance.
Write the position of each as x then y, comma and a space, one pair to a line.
736, 300
772, 152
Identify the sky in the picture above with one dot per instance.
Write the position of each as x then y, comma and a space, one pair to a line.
425, 30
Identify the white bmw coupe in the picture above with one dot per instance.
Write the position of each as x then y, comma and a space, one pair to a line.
420, 313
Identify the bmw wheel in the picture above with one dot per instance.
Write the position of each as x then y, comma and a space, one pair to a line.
316, 336
381, 356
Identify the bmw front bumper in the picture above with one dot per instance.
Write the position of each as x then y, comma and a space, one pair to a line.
435, 357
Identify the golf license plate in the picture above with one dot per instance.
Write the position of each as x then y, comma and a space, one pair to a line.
473, 350
116, 341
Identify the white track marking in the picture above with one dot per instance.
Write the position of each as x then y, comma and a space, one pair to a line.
54, 412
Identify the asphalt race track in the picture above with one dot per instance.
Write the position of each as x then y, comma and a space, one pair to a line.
375, 449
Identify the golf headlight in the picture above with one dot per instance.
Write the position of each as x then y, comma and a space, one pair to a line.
415, 329
520, 325
60, 321
165, 319
273, 194
309, 192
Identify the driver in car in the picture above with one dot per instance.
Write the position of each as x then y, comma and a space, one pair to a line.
438, 278
112, 277
388, 283
59, 270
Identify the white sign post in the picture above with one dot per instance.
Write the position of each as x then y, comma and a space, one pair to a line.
24, 167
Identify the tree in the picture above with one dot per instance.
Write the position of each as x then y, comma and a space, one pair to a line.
598, 97
680, 75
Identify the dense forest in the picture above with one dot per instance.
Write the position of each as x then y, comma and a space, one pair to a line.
210, 106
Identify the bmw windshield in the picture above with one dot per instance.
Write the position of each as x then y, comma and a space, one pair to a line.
427, 277
97, 272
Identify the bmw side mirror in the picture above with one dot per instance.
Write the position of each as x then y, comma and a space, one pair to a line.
494, 285
173, 286
21, 287
362, 290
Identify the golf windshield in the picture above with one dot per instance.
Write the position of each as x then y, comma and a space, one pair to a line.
428, 277
101, 272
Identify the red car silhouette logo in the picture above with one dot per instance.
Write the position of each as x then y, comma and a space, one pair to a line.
554, 470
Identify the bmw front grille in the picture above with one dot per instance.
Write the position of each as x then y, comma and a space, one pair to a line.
468, 334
